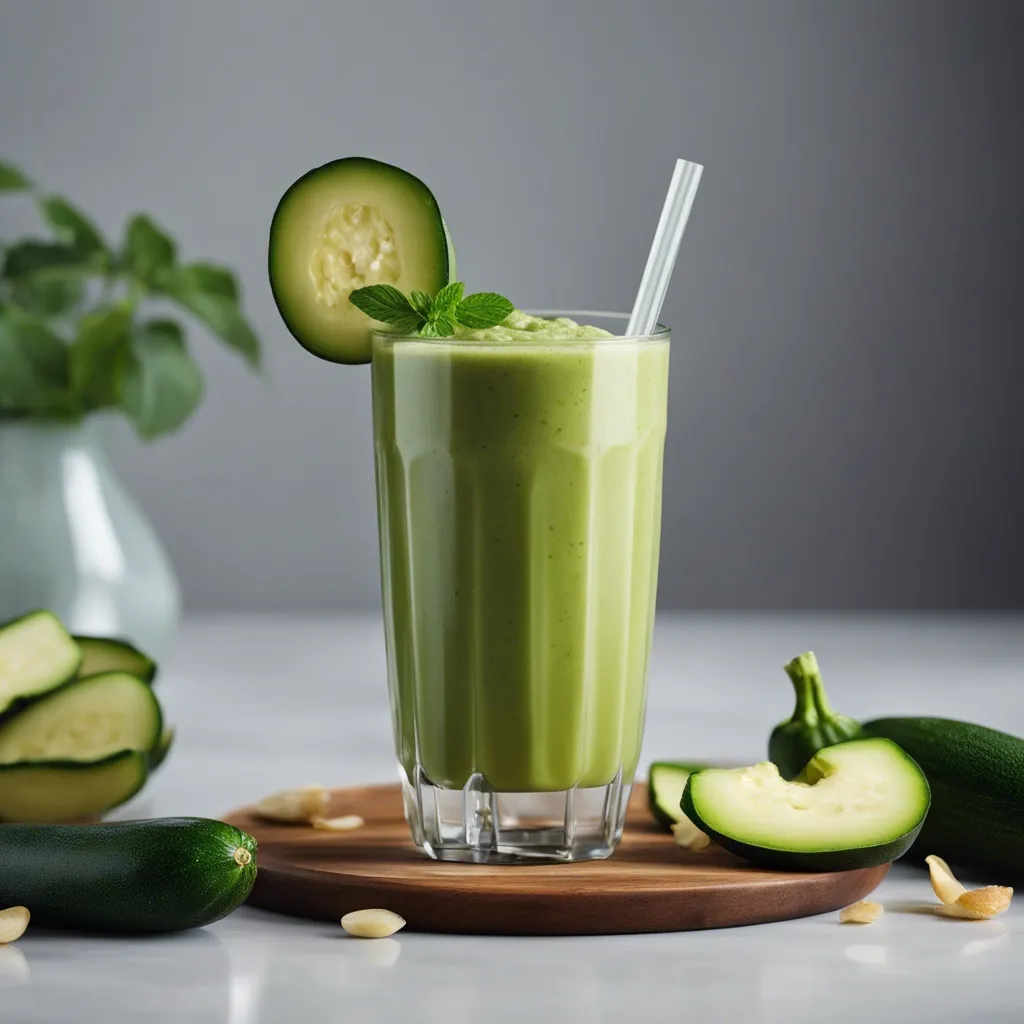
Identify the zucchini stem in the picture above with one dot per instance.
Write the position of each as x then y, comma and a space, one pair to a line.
805, 675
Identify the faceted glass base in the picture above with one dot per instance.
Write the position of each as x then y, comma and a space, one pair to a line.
478, 825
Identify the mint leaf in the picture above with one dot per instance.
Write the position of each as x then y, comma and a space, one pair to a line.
209, 293
383, 302
73, 227
96, 357
429, 330
442, 327
447, 298
147, 252
482, 310
50, 294
421, 302
29, 257
33, 366
408, 324
12, 180
162, 384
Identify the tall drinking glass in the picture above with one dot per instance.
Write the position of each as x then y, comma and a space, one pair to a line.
519, 507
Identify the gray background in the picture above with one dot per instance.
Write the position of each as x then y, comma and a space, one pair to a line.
846, 427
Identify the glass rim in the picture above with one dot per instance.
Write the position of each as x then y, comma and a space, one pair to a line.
661, 332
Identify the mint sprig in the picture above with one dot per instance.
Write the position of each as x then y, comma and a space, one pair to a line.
435, 317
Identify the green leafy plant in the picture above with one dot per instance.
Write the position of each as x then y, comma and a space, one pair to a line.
432, 317
74, 334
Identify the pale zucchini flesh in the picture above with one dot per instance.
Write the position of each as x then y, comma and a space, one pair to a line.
86, 720
101, 654
36, 655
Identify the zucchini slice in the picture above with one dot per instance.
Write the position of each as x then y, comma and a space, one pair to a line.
36, 655
67, 791
666, 781
159, 753
351, 223
103, 654
86, 720
857, 804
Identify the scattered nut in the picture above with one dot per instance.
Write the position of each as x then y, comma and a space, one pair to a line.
346, 823
372, 924
688, 836
963, 903
293, 806
863, 912
979, 904
946, 887
13, 923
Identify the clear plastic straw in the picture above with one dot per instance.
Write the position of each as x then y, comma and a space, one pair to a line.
664, 248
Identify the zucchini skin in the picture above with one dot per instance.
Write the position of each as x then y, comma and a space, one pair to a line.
162, 875
976, 776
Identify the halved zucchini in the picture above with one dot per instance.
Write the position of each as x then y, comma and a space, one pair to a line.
857, 804
103, 654
58, 791
666, 781
351, 223
86, 720
36, 655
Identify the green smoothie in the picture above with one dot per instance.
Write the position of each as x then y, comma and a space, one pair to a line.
519, 500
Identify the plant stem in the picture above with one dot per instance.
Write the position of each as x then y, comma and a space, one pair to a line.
806, 679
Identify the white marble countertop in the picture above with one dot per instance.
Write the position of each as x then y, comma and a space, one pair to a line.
263, 703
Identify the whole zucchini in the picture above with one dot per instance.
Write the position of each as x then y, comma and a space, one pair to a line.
161, 875
977, 781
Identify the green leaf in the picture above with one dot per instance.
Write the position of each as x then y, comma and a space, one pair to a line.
34, 374
31, 257
162, 384
482, 310
208, 277
447, 298
440, 327
421, 302
97, 356
408, 324
50, 294
73, 227
148, 251
217, 309
382, 302
12, 180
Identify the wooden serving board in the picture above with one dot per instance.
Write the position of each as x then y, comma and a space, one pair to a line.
648, 885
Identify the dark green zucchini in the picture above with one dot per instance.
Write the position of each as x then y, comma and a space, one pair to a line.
813, 725
106, 654
50, 791
857, 804
162, 875
36, 655
977, 780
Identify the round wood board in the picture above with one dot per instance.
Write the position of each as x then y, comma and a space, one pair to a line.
648, 885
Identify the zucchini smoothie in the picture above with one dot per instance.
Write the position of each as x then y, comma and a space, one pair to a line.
518, 464
519, 492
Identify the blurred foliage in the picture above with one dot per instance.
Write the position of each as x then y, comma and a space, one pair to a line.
74, 337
